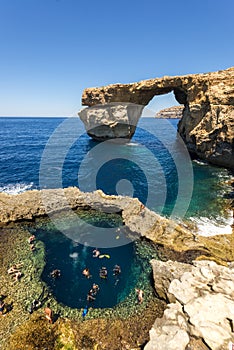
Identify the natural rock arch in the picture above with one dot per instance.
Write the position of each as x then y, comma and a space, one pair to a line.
207, 125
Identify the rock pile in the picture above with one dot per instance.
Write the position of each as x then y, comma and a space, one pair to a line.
201, 310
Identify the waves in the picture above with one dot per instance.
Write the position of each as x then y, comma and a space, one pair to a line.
210, 227
16, 188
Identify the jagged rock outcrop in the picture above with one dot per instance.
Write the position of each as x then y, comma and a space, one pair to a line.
207, 125
174, 112
201, 312
139, 220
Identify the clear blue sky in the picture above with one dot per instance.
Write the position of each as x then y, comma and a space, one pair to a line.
50, 50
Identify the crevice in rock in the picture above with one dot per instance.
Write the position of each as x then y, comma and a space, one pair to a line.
231, 324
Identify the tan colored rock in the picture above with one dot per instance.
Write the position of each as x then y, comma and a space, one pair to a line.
174, 112
139, 220
207, 125
204, 299
111, 121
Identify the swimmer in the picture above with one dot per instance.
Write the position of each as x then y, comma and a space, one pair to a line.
116, 270
95, 288
49, 313
55, 273
139, 295
86, 273
90, 295
96, 253
103, 272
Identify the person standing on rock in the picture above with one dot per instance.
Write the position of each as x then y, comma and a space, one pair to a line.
49, 313
139, 295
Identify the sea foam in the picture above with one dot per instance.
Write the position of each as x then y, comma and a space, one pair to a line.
210, 227
16, 188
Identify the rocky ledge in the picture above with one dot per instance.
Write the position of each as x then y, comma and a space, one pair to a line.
200, 313
174, 112
171, 237
207, 125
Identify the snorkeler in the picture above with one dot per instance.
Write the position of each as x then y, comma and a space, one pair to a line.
103, 272
96, 253
116, 270
86, 273
95, 288
90, 295
55, 273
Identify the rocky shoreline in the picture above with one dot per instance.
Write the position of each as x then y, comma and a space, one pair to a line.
189, 286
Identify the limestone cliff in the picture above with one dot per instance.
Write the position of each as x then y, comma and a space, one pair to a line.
207, 125
174, 112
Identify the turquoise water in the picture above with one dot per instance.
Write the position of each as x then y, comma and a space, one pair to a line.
71, 258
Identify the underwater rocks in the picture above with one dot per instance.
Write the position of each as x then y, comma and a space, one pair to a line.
201, 308
141, 221
207, 125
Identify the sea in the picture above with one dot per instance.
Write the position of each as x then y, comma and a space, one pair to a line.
37, 153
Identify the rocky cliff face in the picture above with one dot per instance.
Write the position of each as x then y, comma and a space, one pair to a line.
174, 112
207, 125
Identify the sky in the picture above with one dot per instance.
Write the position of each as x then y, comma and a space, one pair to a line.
50, 50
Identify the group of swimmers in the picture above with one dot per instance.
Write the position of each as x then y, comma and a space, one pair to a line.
103, 273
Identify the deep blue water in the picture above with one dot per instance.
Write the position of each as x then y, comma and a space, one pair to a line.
53, 152
145, 168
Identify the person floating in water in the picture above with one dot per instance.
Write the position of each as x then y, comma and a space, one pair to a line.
116, 270
55, 273
95, 288
91, 295
139, 295
96, 253
49, 313
86, 273
103, 272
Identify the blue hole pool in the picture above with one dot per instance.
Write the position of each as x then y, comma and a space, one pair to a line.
71, 258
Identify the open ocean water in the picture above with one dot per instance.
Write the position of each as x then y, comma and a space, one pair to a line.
125, 169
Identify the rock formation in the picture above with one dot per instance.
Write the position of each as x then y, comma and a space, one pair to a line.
174, 112
137, 219
111, 121
207, 125
201, 310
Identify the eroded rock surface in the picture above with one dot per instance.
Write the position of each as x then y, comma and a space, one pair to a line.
174, 112
111, 121
137, 218
203, 306
207, 125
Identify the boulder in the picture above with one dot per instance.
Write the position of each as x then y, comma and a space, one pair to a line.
202, 311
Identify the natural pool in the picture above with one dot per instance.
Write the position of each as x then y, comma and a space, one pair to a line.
72, 257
